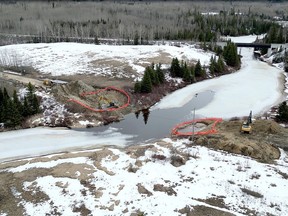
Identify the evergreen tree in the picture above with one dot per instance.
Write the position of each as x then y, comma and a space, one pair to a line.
153, 76
1, 97
156, 81
160, 73
12, 110
175, 68
32, 101
1, 115
218, 50
29, 95
16, 101
5, 96
282, 112
181, 71
192, 71
6, 113
187, 77
220, 65
35, 105
13, 114
286, 62
1, 105
137, 87
146, 85
230, 55
198, 69
26, 111
153, 66
5, 106
236, 59
213, 65
203, 72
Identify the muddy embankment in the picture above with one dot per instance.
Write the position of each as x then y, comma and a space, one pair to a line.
103, 100
261, 144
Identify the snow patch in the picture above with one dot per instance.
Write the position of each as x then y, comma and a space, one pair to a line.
86, 122
78, 160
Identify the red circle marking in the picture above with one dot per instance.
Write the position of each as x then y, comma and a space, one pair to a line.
97, 92
175, 131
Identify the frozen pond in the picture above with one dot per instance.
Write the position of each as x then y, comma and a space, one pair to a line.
156, 123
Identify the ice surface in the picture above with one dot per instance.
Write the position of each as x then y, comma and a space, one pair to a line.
256, 86
39, 141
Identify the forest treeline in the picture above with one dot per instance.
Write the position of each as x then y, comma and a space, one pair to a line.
132, 1
14, 110
136, 22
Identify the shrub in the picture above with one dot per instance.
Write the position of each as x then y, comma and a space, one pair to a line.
158, 157
252, 193
282, 114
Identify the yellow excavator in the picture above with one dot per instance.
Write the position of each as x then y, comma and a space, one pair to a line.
107, 103
247, 125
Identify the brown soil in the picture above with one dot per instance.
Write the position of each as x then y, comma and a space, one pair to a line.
73, 90
21, 79
204, 210
99, 81
261, 144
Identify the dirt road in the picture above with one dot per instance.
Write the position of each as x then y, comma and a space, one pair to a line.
25, 80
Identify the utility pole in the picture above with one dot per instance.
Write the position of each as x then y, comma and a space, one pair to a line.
193, 124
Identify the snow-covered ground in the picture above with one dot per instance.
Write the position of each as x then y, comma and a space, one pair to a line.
156, 187
74, 58
244, 39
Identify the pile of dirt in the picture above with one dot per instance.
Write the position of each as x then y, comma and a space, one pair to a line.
259, 144
74, 90
258, 127
267, 127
